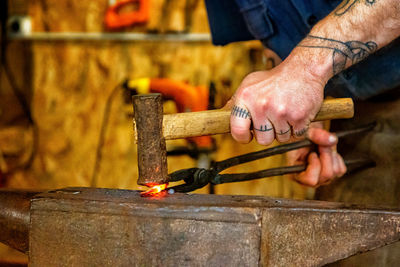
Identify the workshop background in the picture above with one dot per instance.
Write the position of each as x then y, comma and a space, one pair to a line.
66, 119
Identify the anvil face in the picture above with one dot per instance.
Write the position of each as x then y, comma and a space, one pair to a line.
101, 227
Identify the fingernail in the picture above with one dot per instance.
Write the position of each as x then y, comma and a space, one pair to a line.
332, 139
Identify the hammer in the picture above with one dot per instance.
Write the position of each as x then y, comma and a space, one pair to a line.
153, 128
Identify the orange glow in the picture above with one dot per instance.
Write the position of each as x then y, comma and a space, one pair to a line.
155, 190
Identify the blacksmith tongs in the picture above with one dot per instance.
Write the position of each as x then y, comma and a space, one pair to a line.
196, 178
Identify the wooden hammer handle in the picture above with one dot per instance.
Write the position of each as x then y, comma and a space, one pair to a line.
189, 124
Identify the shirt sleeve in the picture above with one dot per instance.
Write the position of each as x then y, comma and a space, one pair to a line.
226, 22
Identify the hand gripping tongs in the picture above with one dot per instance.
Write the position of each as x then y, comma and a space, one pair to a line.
196, 178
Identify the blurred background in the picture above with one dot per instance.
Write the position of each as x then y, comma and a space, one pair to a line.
68, 68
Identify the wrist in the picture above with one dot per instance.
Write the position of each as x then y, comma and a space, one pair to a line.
317, 64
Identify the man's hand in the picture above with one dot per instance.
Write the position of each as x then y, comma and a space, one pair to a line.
322, 168
279, 103
283, 101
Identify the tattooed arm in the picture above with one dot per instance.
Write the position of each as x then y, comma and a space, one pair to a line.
282, 102
354, 30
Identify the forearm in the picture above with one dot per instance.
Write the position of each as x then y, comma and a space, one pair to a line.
353, 31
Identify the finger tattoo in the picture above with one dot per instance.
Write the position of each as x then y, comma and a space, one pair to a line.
282, 132
240, 112
263, 128
300, 132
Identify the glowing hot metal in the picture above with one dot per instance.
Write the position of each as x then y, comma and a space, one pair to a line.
155, 190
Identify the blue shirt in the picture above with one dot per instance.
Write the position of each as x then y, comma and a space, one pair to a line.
281, 24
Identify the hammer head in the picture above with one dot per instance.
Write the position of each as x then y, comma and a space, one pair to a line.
152, 152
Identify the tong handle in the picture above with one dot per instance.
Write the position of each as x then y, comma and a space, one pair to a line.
351, 164
219, 166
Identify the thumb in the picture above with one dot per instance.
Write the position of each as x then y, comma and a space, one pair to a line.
229, 104
321, 137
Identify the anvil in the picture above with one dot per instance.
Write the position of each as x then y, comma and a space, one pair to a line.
107, 227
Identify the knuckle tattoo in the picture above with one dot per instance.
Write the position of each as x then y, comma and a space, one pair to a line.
300, 132
281, 132
240, 112
263, 128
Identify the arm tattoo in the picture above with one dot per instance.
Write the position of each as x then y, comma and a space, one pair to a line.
346, 5
240, 112
264, 128
342, 51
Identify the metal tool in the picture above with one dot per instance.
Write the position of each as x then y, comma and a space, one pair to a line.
196, 178
106, 227
152, 151
152, 129
187, 98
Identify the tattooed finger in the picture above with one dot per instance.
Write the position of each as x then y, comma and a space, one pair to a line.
283, 131
300, 133
240, 124
264, 131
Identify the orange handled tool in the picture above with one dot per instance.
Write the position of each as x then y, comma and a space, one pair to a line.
115, 19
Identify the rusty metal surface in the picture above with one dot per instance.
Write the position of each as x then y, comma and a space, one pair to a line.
152, 152
377, 186
119, 228
315, 238
14, 218
100, 227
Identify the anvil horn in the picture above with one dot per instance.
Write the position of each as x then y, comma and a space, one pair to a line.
15, 218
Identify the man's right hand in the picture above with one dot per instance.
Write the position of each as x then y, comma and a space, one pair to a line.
280, 103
